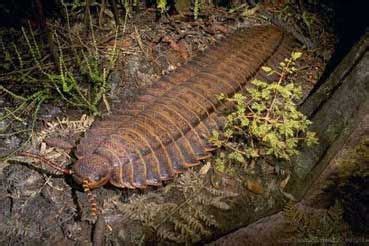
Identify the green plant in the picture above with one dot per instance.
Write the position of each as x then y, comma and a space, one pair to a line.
264, 122
186, 219
82, 82
77, 75
349, 184
161, 5
353, 164
306, 223
196, 9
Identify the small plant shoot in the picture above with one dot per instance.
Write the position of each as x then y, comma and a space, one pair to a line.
264, 122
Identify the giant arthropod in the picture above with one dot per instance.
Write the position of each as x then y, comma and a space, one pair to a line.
165, 130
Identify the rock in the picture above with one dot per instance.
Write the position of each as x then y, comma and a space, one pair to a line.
114, 81
3, 125
49, 111
9, 144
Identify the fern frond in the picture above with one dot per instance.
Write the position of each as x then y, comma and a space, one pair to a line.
189, 218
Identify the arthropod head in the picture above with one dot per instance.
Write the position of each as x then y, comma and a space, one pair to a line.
91, 172
94, 170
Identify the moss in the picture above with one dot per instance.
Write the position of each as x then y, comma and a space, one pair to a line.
314, 225
350, 185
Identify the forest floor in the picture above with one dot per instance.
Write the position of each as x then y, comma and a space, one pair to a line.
36, 206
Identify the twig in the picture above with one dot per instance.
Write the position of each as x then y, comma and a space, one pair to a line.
10, 113
14, 111
12, 94
14, 133
51, 227
281, 78
30, 69
140, 44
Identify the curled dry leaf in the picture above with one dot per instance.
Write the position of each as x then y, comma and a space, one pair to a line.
254, 186
51, 142
205, 169
179, 47
284, 182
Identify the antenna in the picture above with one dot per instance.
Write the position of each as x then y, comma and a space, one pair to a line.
48, 162
66, 171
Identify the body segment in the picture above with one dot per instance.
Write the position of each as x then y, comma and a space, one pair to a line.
166, 129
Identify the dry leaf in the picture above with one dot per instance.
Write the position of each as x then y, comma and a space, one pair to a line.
254, 186
284, 182
205, 169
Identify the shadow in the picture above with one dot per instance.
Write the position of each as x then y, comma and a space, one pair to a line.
349, 22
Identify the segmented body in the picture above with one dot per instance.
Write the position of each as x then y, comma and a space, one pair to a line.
166, 129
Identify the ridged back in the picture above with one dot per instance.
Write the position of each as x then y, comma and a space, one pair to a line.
166, 129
